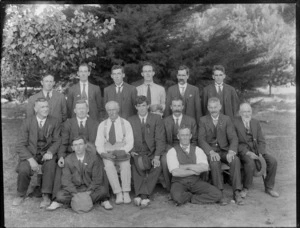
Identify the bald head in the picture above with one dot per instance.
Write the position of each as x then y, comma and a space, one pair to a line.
245, 111
112, 109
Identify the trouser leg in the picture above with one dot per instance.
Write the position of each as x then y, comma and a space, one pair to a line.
125, 172
204, 192
271, 170
179, 193
216, 173
100, 194
63, 197
167, 175
112, 175
24, 176
48, 170
249, 168
57, 181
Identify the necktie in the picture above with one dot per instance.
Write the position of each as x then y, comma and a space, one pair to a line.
41, 124
119, 89
81, 125
83, 94
112, 133
182, 91
48, 96
215, 122
149, 94
176, 125
219, 89
143, 128
184, 148
247, 126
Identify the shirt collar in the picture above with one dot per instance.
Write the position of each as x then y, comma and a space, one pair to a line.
215, 118
79, 120
118, 118
184, 85
188, 147
81, 83
45, 93
151, 83
119, 85
219, 84
179, 118
39, 120
80, 159
145, 117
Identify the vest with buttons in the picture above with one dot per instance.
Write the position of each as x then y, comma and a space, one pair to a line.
41, 138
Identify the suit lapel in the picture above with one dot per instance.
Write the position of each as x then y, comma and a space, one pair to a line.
75, 161
210, 123
225, 92
253, 129
242, 128
90, 91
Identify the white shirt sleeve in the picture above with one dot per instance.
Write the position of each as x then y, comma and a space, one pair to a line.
172, 160
100, 140
129, 137
200, 156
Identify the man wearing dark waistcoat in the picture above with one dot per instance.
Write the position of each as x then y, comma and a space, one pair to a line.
172, 124
121, 92
226, 93
39, 141
186, 162
252, 144
149, 144
218, 139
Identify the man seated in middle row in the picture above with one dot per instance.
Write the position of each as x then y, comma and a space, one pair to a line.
186, 162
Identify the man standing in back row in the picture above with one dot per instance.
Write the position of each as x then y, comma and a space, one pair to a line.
85, 91
187, 92
225, 93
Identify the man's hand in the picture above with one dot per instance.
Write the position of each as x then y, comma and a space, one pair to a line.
252, 155
47, 156
214, 156
108, 156
33, 164
155, 161
61, 162
133, 154
230, 155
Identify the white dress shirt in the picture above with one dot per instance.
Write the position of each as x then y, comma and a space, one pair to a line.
217, 86
182, 87
179, 119
40, 121
103, 137
86, 89
83, 121
45, 93
117, 87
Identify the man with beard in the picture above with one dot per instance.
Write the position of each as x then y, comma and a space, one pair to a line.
121, 92
252, 144
218, 139
172, 123
188, 93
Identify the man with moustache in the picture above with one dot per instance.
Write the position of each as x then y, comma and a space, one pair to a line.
172, 123
149, 144
252, 144
121, 92
155, 93
224, 92
188, 93
38, 143
218, 139
85, 91
57, 102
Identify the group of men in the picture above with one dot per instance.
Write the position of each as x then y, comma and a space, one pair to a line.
148, 136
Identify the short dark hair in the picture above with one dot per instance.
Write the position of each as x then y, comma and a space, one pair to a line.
46, 75
141, 100
79, 137
86, 65
81, 101
184, 67
40, 99
184, 127
218, 67
213, 100
177, 99
116, 67
148, 64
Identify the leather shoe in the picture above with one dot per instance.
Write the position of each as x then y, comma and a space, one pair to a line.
223, 201
17, 201
238, 199
126, 197
272, 193
145, 202
46, 201
106, 204
244, 192
119, 198
53, 206
137, 201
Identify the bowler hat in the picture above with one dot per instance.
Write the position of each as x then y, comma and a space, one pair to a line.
120, 155
144, 162
260, 166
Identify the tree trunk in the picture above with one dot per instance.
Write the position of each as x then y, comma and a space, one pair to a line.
270, 89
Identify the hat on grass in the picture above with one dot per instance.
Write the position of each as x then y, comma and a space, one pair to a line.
260, 166
144, 162
81, 202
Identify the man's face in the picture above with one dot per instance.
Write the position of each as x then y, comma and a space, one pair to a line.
81, 110
117, 75
112, 111
142, 108
214, 108
218, 76
83, 73
182, 77
48, 83
148, 73
184, 136
177, 107
79, 146
246, 112
42, 109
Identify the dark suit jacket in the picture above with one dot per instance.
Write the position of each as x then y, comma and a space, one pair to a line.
129, 94
230, 99
27, 144
70, 130
191, 99
92, 175
256, 131
154, 133
169, 126
57, 105
226, 135
94, 96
